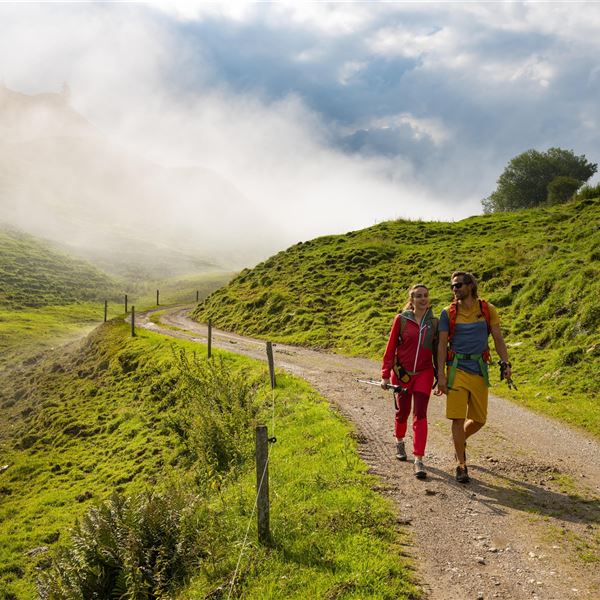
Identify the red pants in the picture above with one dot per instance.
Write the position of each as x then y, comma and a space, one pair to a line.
419, 390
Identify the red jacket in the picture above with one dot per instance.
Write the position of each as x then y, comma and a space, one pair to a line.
415, 350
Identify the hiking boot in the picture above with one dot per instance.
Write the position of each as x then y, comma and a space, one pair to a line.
400, 450
462, 474
419, 468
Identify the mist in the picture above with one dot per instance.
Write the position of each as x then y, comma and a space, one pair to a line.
100, 150
227, 132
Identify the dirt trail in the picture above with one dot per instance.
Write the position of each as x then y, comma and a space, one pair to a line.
527, 526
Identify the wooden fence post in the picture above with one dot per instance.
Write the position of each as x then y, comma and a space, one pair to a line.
157, 302
271, 365
125, 303
209, 338
133, 321
262, 484
105, 310
197, 296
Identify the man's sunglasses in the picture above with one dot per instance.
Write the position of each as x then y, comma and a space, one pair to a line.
456, 286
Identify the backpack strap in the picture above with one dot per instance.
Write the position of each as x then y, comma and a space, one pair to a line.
484, 307
401, 373
402, 327
452, 312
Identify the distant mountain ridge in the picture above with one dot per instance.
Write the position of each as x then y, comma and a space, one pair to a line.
62, 179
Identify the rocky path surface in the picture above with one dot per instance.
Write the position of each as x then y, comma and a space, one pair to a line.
527, 526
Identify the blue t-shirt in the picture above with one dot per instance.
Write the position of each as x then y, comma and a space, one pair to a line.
470, 333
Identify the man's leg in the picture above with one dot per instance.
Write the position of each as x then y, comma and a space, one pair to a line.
478, 405
472, 427
458, 436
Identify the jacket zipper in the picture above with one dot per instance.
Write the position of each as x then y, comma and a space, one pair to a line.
421, 327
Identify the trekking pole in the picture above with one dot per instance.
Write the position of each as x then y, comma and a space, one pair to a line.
397, 389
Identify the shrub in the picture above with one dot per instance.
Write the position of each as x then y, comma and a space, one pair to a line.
588, 192
561, 189
215, 422
525, 180
135, 548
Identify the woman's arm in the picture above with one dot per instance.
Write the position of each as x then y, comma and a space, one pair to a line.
390, 350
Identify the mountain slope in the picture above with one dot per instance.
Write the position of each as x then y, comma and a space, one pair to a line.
35, 273
540, 267
62, 179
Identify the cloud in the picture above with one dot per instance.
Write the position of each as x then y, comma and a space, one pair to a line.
325, 116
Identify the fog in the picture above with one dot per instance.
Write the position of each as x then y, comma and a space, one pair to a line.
226, 132
121, 157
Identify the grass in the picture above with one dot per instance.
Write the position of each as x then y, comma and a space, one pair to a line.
540, 267
176, 290
34, 273
103, 418
334, 537
25, 334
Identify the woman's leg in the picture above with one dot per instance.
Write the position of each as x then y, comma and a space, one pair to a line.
421, 401
403, 401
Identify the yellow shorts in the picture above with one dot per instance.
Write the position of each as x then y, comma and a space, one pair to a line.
468, 397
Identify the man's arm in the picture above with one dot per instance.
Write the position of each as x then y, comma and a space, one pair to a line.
501, 348
441, 361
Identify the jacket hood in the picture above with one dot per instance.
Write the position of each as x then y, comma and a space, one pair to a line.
410, 315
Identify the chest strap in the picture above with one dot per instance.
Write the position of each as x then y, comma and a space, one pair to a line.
477, 357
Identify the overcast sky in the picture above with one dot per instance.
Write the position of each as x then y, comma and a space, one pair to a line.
331, 116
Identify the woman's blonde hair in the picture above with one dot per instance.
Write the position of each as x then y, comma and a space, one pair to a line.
409, 305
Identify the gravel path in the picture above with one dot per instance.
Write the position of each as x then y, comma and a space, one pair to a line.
527, 526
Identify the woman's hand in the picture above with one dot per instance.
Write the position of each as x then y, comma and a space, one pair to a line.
385, 383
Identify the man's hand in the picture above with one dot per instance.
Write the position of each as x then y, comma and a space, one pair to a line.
506, 370
385, 383
442, 386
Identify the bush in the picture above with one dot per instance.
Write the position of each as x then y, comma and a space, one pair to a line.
525, 180
215, 424
588, 192
561, 189
134, 548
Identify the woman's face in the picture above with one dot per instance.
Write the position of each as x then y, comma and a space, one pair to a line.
420, 298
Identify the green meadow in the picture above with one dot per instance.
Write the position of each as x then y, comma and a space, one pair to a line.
131, 416
540, 267
48, 297
127, 464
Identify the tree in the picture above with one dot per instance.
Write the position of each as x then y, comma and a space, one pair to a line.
526, 179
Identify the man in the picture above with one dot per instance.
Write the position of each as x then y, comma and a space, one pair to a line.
464, 328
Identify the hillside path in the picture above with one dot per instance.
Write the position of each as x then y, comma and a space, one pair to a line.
526, 527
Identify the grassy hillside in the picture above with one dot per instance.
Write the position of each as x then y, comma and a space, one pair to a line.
540, 267
126, 415
47, 297
34, 273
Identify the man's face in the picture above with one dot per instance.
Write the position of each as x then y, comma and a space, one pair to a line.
460, 289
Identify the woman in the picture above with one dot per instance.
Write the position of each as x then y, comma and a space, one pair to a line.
408, 358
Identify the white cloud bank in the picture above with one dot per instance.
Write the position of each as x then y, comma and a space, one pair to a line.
446, 110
